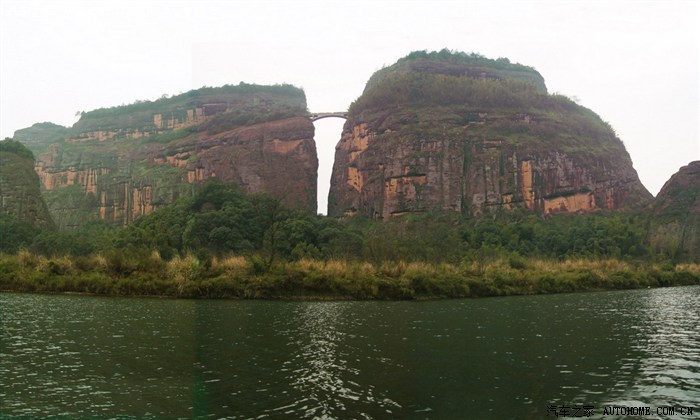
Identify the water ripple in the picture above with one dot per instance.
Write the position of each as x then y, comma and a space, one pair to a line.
501, 357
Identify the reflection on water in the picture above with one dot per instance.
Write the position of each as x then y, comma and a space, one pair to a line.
665, 347
317, 369
320, 367
488, 358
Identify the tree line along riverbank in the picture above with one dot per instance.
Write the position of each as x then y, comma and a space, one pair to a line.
117, 274
223, 243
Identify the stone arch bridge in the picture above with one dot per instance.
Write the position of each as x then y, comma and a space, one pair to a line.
315, 116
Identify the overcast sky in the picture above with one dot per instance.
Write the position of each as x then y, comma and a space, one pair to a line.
635, 63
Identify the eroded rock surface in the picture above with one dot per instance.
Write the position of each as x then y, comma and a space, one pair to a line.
121, 163
439, 135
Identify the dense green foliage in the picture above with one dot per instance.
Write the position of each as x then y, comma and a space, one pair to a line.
224, 243
17, 148
464, 58
221, 220
457, 63
15, 234
21, 207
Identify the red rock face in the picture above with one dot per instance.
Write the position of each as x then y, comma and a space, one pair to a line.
121, 180
278, 158
386, 168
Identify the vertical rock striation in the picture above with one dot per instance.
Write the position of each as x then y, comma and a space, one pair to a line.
451, 131
117, 164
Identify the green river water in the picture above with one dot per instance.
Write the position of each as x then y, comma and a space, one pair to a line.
513, 357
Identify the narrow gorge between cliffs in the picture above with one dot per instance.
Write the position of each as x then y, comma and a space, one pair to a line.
328, 132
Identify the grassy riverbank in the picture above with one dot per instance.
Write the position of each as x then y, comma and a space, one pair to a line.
251, 278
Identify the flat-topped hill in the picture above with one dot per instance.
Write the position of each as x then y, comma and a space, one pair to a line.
455, 131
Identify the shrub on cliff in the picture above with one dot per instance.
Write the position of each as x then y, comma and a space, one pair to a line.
10, 146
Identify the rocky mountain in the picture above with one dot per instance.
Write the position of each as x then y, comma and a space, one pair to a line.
20, 197
455, 131
675, 222
40, 136
119, 163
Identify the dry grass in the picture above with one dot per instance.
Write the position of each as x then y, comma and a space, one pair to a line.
183, 270
27, 259
579, 264
55, 265
336, 268
233, 276
420, 269
307, 264
232, 264
691, 267
99, 262
392, 269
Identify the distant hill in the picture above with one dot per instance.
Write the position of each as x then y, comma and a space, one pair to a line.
675, 222
40, 136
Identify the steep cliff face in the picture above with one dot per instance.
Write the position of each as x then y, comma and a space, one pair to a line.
278, 158
675, 222
20, 196
440, 132
121, 163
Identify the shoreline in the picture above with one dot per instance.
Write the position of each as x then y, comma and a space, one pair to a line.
316, 298
333, 280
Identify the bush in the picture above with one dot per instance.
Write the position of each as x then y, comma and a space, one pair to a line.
183, 272
516, 262
257, 265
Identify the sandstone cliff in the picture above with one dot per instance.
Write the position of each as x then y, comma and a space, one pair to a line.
119, 163
20, 196
675, 222
442, 131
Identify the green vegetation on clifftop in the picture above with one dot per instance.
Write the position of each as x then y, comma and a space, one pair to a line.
457, 63
246, 101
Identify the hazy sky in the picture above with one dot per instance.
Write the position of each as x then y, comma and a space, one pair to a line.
635, 63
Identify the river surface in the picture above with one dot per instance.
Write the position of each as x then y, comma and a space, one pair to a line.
514, 357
